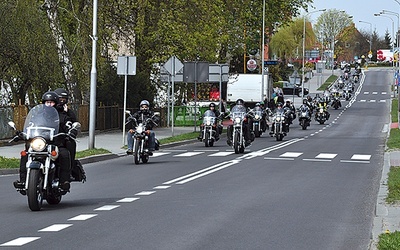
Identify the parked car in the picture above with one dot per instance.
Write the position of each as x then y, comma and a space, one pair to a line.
293, 89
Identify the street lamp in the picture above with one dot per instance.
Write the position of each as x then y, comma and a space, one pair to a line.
382, 15
370, 38
304, 41
263, 56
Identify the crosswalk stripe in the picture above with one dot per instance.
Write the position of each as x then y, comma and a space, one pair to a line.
156, 154
188, 154
361, 157
325, 156
19, 241
291, 154
222, 153
55, 228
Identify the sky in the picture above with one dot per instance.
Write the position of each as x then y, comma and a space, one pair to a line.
362, 10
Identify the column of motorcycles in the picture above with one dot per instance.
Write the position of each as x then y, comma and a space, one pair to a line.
280, 119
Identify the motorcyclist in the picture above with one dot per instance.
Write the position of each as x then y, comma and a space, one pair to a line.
285, 127
305, 107
290, 110
50, 99
265, 112
211, 107
322, 103
69, 115
142, 115
248, 136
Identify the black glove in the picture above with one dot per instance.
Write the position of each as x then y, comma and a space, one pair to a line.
73, 132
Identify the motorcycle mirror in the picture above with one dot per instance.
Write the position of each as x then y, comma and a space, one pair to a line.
76, 125
12, 124
127, 112
157, 113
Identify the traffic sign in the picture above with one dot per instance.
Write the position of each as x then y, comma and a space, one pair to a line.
271, 62
173, 65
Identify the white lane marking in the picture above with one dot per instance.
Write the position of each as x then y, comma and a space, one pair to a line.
156, 154
361, 157
126, 200
374, 93
161, 187
385, 128
362, 100
233, 162
382, 100
291, 154
55, 228
350, 161
19, 241
372, 100
366, 93
145, 193
325, 156
206, 150
384, 92
316, 160
188, 154
83, 217
222, 153
175, 150
277, 158
194, 173
106, 208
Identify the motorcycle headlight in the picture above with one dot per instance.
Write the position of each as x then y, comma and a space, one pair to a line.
321, 110
257, 117
139, 129
208, 122
38, 144
278, 119
237, 120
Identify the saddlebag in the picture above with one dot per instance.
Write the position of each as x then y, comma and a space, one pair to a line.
77, 172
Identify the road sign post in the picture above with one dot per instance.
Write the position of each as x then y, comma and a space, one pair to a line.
126, 65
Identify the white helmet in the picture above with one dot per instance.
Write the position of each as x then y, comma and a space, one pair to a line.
144, 105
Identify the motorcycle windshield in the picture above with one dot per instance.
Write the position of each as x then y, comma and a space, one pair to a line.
238, 111
42, 121
209, 117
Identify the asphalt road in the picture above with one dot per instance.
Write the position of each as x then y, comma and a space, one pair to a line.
314, 190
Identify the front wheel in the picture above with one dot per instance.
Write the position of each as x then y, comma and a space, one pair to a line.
136, 153
35, 189
303, 124
236, 142
257, 132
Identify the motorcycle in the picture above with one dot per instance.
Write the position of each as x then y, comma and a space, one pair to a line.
336, 102
304, 117
321, 115
41, 128
209, 129
257, 120
238, 117
346, 93
141, 138
278, 125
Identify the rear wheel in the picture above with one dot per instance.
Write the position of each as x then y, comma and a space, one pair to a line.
35, 189
136, 153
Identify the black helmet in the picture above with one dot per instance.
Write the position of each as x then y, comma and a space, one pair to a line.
239, 102
63, 95
211, 105
50, 96
305, 101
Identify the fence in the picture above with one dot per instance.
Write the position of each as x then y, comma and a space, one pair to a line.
107, 118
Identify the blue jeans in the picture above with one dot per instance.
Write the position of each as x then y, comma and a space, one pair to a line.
152, 140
